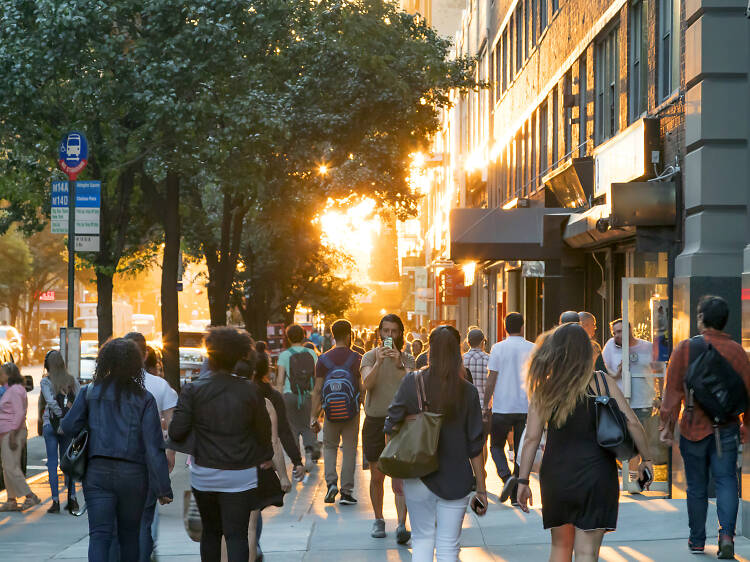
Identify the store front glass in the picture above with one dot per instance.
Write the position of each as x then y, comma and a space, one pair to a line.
645, 307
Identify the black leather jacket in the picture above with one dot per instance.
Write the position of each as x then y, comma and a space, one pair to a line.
224, 419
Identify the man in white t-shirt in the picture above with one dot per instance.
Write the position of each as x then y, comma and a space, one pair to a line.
641, 372
505, 399
166, 400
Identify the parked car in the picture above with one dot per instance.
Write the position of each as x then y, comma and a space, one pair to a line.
192, 355
6, 356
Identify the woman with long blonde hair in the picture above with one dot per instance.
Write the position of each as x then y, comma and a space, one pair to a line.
578, 478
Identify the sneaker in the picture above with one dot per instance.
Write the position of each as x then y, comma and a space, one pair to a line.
331, 495
510, 485
31, 501
55, 507
72, 505
695, 549
10, 506
347, 499
378, 529
726, 547
402, 535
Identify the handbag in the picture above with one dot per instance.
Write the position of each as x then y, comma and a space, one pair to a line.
75, 459
612, 431
413, 451
269, 489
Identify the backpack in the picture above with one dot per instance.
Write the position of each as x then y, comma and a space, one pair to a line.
713, 384
301, 371
65, 401
340, 393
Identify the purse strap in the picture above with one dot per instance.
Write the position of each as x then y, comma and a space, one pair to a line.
421, 392
604, 381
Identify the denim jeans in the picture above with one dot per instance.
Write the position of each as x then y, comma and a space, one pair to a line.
700, 457
227, 514
148, 534
115, 491
56, 446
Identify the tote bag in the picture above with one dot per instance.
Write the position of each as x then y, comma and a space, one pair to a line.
413, 451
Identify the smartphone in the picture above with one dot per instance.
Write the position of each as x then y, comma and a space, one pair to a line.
388, 343
647, 478
477, 504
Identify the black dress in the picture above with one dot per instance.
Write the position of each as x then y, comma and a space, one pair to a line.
578, 478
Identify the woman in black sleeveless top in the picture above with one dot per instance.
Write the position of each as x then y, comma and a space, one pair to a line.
578, 478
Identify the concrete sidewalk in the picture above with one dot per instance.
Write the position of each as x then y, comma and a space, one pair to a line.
310, 530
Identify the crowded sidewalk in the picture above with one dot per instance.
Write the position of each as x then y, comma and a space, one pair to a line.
308, 529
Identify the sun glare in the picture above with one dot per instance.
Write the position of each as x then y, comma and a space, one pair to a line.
352, 230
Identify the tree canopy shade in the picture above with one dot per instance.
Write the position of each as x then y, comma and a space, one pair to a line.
207, 118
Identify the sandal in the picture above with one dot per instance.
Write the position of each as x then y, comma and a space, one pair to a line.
10, 506
31, 501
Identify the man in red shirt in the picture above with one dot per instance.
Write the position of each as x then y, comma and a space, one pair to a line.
697, 440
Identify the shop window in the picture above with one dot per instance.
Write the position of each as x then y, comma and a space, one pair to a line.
637, 73
606, 84
668, 51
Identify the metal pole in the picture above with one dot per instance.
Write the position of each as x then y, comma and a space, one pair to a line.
71, 251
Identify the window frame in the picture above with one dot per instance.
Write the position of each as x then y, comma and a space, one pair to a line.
606, 84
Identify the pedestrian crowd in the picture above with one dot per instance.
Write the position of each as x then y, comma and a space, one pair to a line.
430, 401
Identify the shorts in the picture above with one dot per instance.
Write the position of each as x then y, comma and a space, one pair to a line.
373, 438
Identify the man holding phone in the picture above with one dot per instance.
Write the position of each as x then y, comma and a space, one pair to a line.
382, 369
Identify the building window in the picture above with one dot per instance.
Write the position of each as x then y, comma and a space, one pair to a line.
532, 155
526, 35
496, 67
568, 112
606, 85
582, 80
543, 135
519, 162
668, 58
542, 15
555, 127
637, 72
519, 37
504, 57
555, 6
532, 19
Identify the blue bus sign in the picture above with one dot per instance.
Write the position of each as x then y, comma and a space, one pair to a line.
73, 154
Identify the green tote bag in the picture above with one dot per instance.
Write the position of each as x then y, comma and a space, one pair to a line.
413, 451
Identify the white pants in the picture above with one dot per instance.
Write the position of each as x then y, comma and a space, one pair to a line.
435, 523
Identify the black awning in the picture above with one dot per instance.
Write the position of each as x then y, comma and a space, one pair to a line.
513, 234
572, 184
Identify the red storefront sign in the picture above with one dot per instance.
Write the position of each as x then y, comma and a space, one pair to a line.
450, 287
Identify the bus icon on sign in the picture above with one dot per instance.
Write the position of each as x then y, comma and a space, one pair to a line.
73, 146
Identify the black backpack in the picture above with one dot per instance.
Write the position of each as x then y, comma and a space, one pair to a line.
713, 383
301, 371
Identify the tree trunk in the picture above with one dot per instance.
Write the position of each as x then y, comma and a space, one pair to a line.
169, 298
104, 306
218, 298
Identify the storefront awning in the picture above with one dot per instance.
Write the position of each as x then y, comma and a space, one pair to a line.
507, 234
571, 185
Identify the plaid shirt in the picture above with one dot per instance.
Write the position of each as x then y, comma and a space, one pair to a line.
476, 361
674, 393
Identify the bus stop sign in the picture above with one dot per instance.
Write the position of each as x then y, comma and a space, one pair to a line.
74, 153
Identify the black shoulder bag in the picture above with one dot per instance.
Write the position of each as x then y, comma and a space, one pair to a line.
75, 459
612, 431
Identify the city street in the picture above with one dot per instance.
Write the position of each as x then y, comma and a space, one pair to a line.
310, 530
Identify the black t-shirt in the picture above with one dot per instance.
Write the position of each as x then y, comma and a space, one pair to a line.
338, 356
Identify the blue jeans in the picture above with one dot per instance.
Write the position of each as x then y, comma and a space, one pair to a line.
115, 491
148, 531
56, 446
700, 457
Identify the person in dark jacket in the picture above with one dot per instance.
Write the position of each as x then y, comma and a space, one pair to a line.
125, 449
437, 502
222, 420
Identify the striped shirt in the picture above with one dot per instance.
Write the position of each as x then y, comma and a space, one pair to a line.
476, 360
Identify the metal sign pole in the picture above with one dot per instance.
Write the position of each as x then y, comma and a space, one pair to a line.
71, 251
